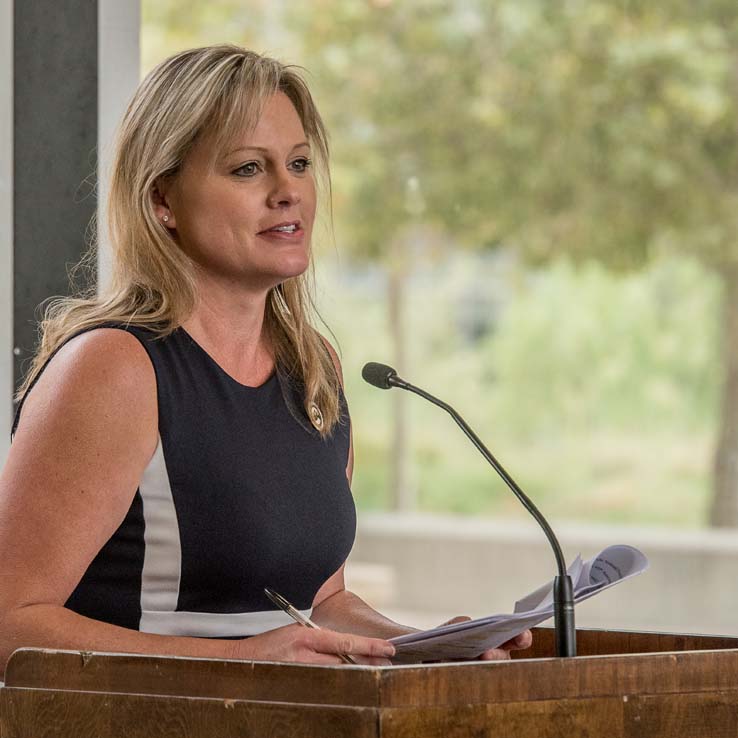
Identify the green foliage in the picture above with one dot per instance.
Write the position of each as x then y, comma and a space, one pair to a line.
393, 80
576, 132
599, 457
596, 391
594, 352
590, 128
618, 130
169, 26
595, 129
613, 442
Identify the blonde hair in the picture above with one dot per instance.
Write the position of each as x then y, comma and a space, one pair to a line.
218, 90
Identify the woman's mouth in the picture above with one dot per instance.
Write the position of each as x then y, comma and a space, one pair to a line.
291, 231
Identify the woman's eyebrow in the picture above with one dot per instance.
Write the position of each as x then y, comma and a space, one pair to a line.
263, 150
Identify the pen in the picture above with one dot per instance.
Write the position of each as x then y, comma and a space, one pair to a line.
297, 616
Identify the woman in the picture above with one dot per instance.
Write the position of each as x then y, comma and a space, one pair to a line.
182, 440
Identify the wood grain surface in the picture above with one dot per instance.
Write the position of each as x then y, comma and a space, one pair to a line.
245, 680
38, 714
657, 672
672, 716
594, 642
42, 714
623, 684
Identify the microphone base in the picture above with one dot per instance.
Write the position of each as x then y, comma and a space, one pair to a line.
565, 628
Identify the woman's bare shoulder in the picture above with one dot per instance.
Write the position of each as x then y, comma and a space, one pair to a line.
100, 375
105, 347
102, 359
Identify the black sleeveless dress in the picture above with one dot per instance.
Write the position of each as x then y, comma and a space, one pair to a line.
242, 493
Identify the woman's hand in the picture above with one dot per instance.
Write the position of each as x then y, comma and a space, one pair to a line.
296, 643
520, 642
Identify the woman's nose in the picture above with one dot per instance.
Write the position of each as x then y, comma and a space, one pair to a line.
285, 192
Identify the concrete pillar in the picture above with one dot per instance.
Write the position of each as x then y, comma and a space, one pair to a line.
6, 223
69, 71
55, 140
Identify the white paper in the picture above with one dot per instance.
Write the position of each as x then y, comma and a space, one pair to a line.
469, 639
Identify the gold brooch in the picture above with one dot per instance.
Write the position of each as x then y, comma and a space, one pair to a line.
316, 417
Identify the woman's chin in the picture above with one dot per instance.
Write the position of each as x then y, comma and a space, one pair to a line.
293, 267
263, 275
279, 273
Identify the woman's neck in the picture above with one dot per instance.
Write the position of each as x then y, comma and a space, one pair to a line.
229, 325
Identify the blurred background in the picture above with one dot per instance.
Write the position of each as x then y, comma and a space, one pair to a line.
534, 216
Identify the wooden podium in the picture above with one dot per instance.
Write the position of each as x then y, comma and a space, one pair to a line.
622, 684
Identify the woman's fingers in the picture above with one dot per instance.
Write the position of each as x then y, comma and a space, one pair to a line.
521, 641
495, 654
298, 644
322, 659
457, 619
347, 644
329, 647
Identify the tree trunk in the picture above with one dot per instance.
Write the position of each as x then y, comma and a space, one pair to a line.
724, 507
402, 495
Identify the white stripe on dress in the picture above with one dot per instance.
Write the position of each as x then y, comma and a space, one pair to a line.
162, 569
214, 624
162, 565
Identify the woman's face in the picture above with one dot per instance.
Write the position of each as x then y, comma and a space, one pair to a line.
246, 214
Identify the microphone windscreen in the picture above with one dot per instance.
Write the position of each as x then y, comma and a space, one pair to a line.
378, 375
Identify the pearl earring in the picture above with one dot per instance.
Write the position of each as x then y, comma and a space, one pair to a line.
166, 218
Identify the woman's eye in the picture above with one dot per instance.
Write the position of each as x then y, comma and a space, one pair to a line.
300, 165
249, 169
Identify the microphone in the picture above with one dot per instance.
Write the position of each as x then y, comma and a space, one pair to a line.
385, 377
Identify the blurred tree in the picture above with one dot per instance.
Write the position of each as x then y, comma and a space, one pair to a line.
395, 80
170, 26
595, 129
587, 128
616, 125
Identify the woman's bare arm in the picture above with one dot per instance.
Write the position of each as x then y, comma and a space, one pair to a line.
87, 432
336, 608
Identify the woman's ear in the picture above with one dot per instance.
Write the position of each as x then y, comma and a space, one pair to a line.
161, 205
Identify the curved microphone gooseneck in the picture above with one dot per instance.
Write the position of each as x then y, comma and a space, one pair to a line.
385, 377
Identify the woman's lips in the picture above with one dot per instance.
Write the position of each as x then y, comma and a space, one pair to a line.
295, 235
